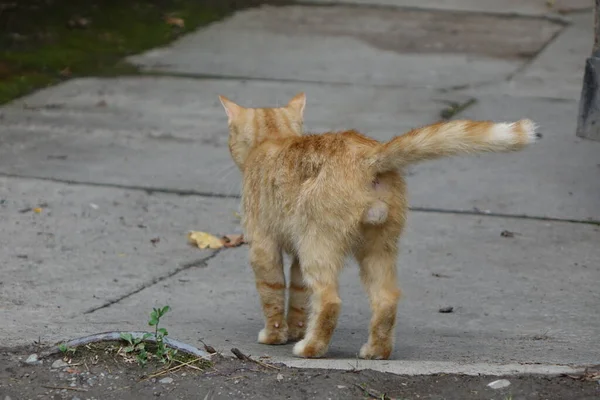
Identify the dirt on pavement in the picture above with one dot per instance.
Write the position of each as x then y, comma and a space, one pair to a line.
109, 375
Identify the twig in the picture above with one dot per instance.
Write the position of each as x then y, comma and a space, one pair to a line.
175, 368
65, 388
376, 394
208, 348
456, 108
236, 377
188, 364
244, 357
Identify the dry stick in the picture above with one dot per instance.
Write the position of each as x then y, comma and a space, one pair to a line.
373, 393
188, 364
236, 377
175, 368
208, 348
244, 357
65, 388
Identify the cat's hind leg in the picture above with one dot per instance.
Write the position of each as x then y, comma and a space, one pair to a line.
320, 264
267, 262
298, 303
377, 259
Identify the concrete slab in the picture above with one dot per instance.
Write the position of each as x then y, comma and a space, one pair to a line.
558, 71
530, 298
356, 45
170, 134
87, 247
518, 7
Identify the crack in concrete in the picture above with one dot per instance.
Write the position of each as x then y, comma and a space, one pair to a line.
204, 76
480, 213
509, 77
181, 192
147, 190
531, 60
203, 262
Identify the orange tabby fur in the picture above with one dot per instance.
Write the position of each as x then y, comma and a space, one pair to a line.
322, 197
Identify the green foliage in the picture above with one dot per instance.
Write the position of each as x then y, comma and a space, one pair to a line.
66, 350
163, 353
42, 43
143, 351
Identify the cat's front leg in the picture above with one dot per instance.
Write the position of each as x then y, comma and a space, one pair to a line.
267, 263
298, 303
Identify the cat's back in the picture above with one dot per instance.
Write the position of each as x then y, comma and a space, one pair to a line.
308, 175
294, 160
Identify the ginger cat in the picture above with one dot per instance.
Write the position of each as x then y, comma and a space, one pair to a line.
322, 197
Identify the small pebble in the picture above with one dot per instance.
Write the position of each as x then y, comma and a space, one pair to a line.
166, 380
33, 360
446, 310
59, 364
507, 234
279, 377
499, 384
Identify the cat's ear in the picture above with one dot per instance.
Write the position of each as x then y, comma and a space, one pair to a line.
232, 109
298, 102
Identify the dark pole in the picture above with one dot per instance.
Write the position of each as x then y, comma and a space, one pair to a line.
596, 27
588, 121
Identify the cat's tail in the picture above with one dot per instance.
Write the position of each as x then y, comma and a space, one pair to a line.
450, 138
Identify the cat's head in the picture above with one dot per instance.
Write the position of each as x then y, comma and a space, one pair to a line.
248, 127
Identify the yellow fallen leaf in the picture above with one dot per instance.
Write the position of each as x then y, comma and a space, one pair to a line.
37, 210
175, 21
204, 240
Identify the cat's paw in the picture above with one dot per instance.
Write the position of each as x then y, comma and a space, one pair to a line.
308, 349
375, 352
296, 330
274, 335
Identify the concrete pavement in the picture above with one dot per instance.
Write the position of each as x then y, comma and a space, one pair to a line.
117, 163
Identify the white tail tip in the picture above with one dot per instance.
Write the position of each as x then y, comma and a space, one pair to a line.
530, 130
518, 134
